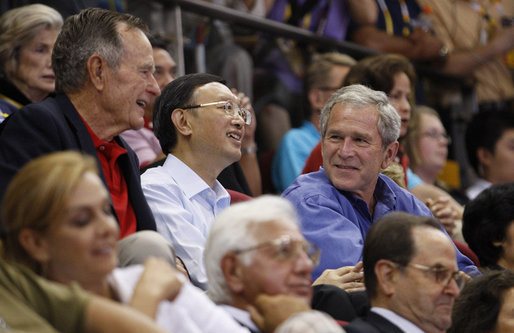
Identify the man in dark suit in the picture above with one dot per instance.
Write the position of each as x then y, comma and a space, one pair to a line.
411, 276
103, 66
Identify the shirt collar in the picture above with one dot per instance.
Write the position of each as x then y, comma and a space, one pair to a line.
241, 316
397, 320
189, 181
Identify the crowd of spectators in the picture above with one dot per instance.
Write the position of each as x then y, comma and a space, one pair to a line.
134, 199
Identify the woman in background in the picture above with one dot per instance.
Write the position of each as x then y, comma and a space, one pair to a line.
27, 37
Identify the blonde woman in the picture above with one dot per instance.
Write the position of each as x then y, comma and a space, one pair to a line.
61, 225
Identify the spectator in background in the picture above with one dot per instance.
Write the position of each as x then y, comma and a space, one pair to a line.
201, 123
281, 63
103, 64
411, 276
338, 203
485, 305
488, 226
476, 42
324, 76
426, 144
27, 37
398, 29
489, 146
143, 141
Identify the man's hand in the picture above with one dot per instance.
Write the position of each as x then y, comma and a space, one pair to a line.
158, 282
269, 311
446, 212
349, 278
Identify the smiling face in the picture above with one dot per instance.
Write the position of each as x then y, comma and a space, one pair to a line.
269, 274
399, 97
131, 86
417, 296
82, 245
352, 150
34, 76
216, 135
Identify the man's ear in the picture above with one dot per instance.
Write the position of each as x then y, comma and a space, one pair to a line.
35, 244
180, 118
232, 271
484, 156
96, 68
387, 276
390, 154
315, 99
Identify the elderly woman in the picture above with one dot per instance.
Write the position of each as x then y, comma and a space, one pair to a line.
27, 37
60, 224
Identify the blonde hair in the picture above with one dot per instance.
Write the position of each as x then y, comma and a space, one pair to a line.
321, 66
18, 26
36, 197
411, 140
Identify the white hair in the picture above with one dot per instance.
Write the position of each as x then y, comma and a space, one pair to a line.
357, 95
232, 231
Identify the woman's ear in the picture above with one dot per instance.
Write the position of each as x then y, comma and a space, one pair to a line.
35, 244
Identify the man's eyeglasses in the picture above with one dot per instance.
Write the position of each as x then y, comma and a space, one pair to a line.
287, 249
437, 136
442, 275
231, 108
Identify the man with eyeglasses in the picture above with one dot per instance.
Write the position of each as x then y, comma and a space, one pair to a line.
200, 124
411, 276
256, 248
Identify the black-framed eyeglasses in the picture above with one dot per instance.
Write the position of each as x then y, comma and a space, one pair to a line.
286, 248
442, 275
438, 136
231, 108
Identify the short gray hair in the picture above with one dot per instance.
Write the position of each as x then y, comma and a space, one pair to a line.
18, 26
92, 31
359, 96
234, 229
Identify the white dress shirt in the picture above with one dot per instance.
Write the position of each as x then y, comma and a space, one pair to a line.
184, 207
191, 311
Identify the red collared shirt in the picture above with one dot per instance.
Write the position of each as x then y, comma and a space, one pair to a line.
108, 153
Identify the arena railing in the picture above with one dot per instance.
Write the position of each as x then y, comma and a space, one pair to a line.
459, 111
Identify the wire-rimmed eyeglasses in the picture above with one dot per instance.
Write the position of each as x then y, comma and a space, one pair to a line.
442, 275
286, 248
231, 108
438, 136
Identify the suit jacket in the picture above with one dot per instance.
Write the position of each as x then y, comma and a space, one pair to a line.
372, 323
55, 125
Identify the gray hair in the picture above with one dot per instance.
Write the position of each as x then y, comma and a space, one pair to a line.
18, 26
234, 229
360, 96
92, 31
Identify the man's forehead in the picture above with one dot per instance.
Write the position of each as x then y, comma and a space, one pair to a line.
273, 229
216, 90
432, 247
